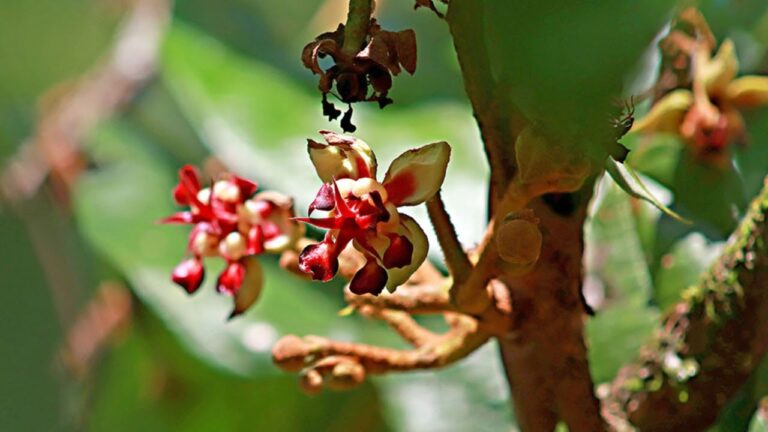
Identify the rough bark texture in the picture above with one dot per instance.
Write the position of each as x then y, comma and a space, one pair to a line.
545, 357
709, 343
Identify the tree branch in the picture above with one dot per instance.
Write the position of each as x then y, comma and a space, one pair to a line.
546, 361
709, 343
455, 258
293, 353
419, 299
402, 323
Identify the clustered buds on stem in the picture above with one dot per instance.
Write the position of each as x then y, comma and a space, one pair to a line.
230, 222
363, 211
707, 116
363, 75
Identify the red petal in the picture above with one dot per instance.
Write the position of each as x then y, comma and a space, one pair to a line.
327, 223
324, 200
271, 229
399, 252
320, 260
255, 241
180, 195
231, 278
189, 185
264, 208
341, 205
401, 187
178, 218
189, 274
247, 187
370, 279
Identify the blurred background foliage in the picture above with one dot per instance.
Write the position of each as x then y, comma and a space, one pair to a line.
229, 87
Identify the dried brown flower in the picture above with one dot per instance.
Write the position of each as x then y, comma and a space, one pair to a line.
363, 76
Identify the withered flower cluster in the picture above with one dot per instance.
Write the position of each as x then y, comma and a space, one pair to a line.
363, 75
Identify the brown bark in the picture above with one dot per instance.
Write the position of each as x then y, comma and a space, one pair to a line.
545, 357
708, 345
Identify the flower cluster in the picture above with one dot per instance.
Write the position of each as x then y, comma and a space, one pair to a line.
231, 222
708, 117
382, 55
364, 212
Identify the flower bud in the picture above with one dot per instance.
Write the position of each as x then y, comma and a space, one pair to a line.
231, 279
346, 375
311, 382
345, 186
250, 288
256, 210
204, 196
233, 247
289, 353
320, 260
203, 244
189, 274
226, 191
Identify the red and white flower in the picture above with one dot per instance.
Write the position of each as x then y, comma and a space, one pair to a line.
231, 222
364, 212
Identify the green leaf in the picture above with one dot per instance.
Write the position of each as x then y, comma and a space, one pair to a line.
741, 413
713, 197
428, 401
656, 157
682, 267
564, 62
618, 273
44, 44
149, 383
632, 184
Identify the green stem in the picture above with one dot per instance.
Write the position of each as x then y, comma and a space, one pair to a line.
356, 28
494, 117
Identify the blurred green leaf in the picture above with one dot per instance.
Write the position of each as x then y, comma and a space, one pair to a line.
616, 264
453, 399
148, 383
682, 267
752, 160
713, 198
656, 157
30, 333
564, 62
42, 44
740, 413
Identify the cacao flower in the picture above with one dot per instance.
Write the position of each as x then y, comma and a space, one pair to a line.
364, 212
